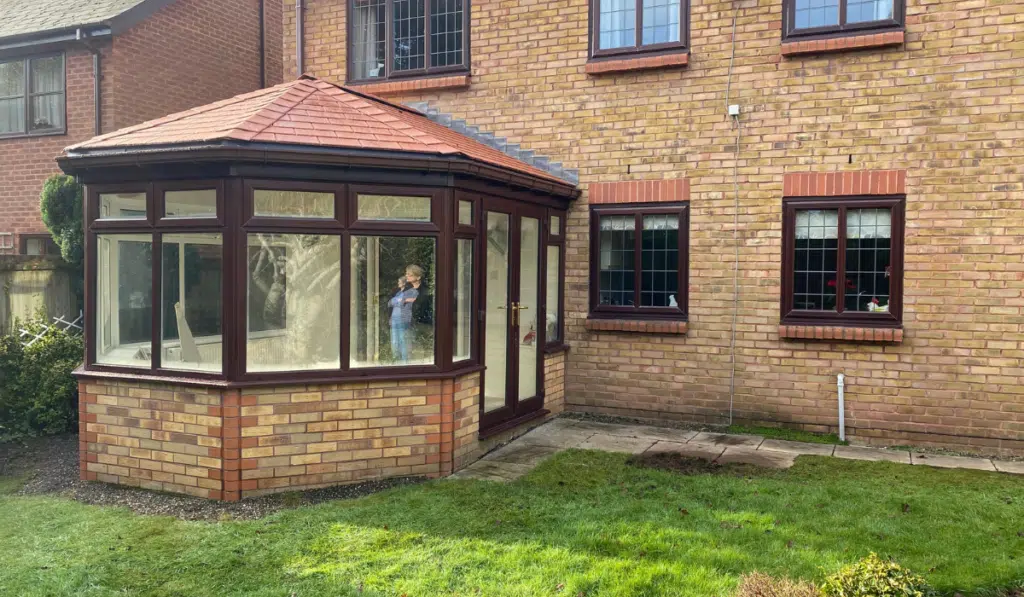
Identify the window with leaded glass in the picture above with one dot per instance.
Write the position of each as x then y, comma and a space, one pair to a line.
843, 260
639, 261
399, 38
841, 17
625, 26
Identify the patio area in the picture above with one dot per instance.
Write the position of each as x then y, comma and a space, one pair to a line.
524, 453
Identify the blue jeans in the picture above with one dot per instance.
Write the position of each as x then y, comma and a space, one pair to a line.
399, 341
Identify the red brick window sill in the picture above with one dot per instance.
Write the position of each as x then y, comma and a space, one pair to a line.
413, 85
678, 328
841, 333
601, 67
839, 44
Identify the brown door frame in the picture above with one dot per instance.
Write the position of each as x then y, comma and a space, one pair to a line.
513, 408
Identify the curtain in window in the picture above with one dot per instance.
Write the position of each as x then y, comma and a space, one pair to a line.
47, 93
12, 92
817, 224
367, 51
868, 223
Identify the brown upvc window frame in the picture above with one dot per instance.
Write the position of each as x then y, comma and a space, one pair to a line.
555, 238
389, 73
842, 29
638, 48
636, 312
840, 317
156, 227
28, 95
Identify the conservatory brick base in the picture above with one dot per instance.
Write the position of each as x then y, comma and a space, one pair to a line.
229, 443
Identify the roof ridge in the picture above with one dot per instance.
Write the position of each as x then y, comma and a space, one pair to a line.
149, 124
301, 81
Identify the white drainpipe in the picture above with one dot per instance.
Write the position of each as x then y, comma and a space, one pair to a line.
841, 383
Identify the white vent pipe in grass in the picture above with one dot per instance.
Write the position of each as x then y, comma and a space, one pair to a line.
841, 384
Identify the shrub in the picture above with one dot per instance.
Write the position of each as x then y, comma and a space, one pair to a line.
38, 393
60, 205
875, 577
762, 585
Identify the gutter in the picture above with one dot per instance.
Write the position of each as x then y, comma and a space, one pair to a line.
97, 105
49, 38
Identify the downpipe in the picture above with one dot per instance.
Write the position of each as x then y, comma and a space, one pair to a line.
841, 385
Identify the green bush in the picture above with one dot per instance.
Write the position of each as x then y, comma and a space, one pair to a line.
38, 394
875, 577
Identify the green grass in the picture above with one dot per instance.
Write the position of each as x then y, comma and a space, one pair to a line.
788, 434
581, 523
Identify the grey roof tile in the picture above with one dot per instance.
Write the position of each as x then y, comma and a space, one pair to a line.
23, 17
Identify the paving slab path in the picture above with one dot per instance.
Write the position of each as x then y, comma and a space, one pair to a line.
524, 453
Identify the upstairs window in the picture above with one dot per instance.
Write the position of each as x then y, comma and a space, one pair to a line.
32, 96
843, 261
403, 38
841, 17
631, 26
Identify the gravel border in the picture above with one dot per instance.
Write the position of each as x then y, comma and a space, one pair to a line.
49, 466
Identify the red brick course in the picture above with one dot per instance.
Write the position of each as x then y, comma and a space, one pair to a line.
850, 334
631, 325
640, 191
600, 67
850, 42
838, 184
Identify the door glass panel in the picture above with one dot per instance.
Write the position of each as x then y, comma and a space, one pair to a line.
496, 320
463, 299
529, 291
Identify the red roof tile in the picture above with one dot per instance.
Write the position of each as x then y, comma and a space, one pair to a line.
309, 112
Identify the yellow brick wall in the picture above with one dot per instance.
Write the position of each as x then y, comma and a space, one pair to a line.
154, 436
554, 382
947, 106
327, 435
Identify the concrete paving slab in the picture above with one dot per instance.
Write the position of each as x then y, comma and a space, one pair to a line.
782, 445
559, 436
872, 454
607, 428
727, 440
1015, 467
938, 460
705, 451
493, 470
667, 434
522, 453
765, 458
615, 443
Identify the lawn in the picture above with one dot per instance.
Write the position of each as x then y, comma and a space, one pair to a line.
583, 523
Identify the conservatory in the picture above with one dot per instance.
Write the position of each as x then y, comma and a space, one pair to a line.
306, 286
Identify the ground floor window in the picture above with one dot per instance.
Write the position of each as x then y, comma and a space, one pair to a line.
294, 302
191, 306
639, 261
843, 259
124, 300
393, 296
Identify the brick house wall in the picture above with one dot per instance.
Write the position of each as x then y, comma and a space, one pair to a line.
945, 106
189, 53
25, 163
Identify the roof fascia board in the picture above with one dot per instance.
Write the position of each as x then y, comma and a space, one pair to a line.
80, 160
51, 40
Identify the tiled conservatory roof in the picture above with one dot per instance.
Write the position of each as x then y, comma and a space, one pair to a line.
308, 112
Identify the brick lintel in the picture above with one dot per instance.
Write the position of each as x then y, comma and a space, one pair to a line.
600, 67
